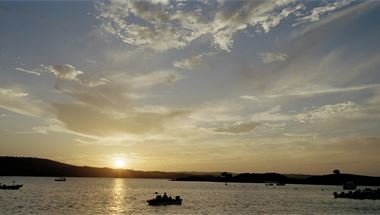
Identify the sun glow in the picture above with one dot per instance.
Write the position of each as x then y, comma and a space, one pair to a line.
120, 162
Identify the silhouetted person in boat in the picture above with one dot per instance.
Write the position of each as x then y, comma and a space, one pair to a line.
165, 197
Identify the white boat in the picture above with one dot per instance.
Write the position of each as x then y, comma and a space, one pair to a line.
60, 179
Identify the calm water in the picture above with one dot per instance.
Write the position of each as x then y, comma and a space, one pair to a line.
127, 196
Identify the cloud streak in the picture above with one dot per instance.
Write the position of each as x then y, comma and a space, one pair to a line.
192, 62
272, 57
309, 93
317, 12
237, 128
16, 101
28, 71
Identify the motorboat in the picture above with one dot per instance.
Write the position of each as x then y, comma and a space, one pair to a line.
360, 194
60, 179
165, 200
10, 187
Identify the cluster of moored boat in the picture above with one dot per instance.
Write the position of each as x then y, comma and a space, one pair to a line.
360, 194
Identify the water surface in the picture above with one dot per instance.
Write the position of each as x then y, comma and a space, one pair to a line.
128, 196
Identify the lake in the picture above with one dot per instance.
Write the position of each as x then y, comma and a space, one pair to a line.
41, 195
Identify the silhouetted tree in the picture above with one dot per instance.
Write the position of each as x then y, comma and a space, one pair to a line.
336, 171
226, 175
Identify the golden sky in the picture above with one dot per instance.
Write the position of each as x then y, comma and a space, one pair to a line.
242, 86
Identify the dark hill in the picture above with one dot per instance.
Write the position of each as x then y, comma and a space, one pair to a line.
338, 179
26, 166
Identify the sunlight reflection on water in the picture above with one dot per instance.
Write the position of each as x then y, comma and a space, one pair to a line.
118, 197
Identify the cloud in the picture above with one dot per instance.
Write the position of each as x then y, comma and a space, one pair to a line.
164, 2
220, 111
88, 120
272, 57
67, 71
12, 93
16, 101
154, 78
168, 26
343, 109
28, 71
247, 97
90, 61
317, 12
272, 115
94, 83
345, 14
71, 73
191, 63
237, 128
310, 91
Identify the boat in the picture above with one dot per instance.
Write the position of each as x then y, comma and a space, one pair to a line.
269, 184
60, 179
10, 187
360, 194
165, 200
280, 184
349, 185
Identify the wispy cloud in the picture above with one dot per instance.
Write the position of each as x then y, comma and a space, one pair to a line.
193, 62
328, 111
317, 12
237, 128
272, 115
28, 71
91, 121
67, 71
16, 101
269, 57
154, 78
70, 72
310, 92
170, 27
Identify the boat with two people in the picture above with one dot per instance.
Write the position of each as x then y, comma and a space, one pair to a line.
165, 200
10, 187
367, 193
60, 179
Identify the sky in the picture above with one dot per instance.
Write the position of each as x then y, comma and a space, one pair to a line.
241, 86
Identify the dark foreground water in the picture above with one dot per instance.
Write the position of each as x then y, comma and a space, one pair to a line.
128, 196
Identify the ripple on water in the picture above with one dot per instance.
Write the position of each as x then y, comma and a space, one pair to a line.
127, 196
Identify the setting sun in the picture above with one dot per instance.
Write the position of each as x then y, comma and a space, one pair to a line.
119, 162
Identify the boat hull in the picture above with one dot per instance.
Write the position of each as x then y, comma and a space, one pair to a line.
154, 202
10, 187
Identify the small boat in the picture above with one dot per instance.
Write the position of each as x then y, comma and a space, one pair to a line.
269, 184
60, 179
360, 194
165, 200
280, 184
10, 187
349, 185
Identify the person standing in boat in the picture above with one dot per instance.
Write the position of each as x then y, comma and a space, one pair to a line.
165, 197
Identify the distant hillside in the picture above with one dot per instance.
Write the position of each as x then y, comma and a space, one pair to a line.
336, 179
331, 179
26, 166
